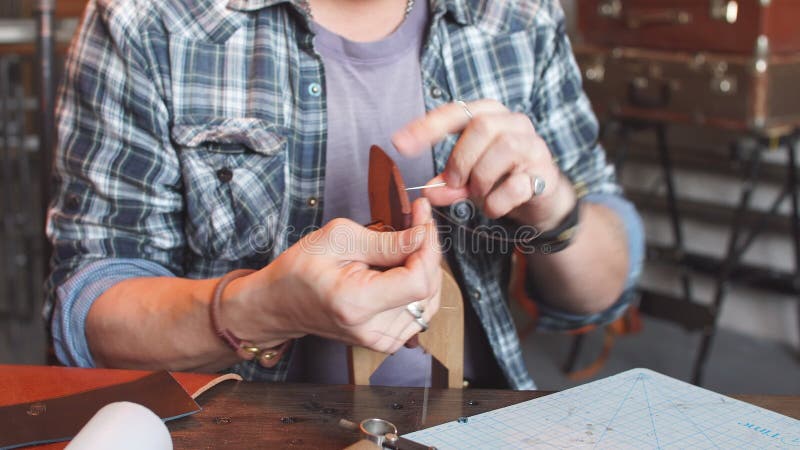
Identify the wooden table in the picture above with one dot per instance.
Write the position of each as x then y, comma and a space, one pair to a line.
259, 415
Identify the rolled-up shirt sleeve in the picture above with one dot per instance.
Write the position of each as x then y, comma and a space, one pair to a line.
563, 117
116, 177
76, 296
554, 319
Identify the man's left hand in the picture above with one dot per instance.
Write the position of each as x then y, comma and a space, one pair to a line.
495, 163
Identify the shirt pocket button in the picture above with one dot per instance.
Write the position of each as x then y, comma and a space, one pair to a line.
73, 202
224, 175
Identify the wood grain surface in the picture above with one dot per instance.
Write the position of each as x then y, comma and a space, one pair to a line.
296, 416
249, 415
241, 415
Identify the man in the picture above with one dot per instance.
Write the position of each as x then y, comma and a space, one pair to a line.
202, 136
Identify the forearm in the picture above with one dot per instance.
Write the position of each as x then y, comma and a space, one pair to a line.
156, 323
311, 288
589, 275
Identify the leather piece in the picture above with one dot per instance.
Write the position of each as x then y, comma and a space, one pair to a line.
60, 418
388, 201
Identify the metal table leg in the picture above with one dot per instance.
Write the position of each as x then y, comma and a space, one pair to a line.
672, 205
729, 264
792, 145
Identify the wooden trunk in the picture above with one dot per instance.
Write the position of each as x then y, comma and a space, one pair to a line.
727, 26
735, 92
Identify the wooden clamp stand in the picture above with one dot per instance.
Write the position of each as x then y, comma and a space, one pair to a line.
444, 340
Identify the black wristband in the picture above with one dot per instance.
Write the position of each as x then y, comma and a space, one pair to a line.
557, 239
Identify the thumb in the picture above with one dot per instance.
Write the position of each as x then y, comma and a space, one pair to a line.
353, 242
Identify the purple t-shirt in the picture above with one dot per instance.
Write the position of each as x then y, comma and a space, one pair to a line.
373, 89
364, 81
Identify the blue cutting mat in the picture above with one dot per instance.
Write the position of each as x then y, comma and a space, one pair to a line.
634, 409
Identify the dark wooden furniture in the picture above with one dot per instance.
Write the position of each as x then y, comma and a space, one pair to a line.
719, 64
730, 26
261, 415
739, 93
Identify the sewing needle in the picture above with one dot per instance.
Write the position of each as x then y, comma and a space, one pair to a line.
427, 186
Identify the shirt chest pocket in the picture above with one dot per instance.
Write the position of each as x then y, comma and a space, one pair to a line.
234, 183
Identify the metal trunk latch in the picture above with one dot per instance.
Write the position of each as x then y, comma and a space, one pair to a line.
635, 19
725, 10
610, 8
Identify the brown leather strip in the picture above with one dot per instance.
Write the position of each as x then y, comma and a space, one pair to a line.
60, 418
233, 342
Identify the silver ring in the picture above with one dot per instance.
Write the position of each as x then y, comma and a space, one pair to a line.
537, 186
466, 109
422, 323
416, 309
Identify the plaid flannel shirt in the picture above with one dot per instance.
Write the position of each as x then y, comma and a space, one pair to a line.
192, 137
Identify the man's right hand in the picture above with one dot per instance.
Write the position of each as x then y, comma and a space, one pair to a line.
342, 282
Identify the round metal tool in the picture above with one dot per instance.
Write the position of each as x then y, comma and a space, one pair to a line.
379, 431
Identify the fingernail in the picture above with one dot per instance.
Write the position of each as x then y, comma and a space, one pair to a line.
452, 179
418, 234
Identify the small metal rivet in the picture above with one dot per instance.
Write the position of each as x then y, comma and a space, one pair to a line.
36, 409
436, 92
312, 201
473, 403
314, 89
476, 294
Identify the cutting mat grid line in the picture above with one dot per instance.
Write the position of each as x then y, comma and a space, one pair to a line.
635, 409
608, 425
708, 420
718, 419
